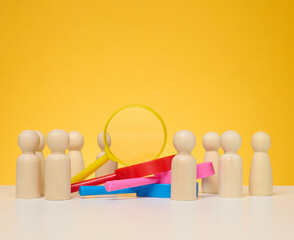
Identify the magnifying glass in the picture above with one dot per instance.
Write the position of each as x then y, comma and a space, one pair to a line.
134, 172
151, 190
138, 134
204, 170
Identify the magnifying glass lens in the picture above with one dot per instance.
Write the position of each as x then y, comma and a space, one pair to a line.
137, 135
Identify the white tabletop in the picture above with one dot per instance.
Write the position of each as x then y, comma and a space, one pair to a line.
209, 217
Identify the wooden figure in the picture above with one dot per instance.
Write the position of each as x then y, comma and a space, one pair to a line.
110, 166
183, 167
261, 178
211, 144
57, 167
28, 166
230, 167
76, 143
40, 155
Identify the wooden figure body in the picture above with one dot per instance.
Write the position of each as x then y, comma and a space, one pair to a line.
261, 179
57, 167
40, 155
211, 144
76, 143
230, 166
110, 166
183, 168
28, 166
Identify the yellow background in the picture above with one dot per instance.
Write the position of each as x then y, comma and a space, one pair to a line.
203, 65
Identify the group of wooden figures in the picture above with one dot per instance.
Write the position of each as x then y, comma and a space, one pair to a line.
227, 181
51, 178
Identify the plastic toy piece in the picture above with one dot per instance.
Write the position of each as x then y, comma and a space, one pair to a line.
203, 170
134, 171
152, 190
100, 190
197, 187
155, 191
141, 170
90, 169
128, 183
163, 178
146, 168
183, 178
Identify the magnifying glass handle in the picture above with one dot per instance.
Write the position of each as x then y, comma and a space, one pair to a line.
90, 169
94, 181
100, 190
152, 190
203, 170
128, 183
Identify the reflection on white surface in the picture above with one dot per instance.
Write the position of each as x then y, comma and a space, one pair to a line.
57, 218
28, 218
209, 217
260, 210
183, 219
231, 215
